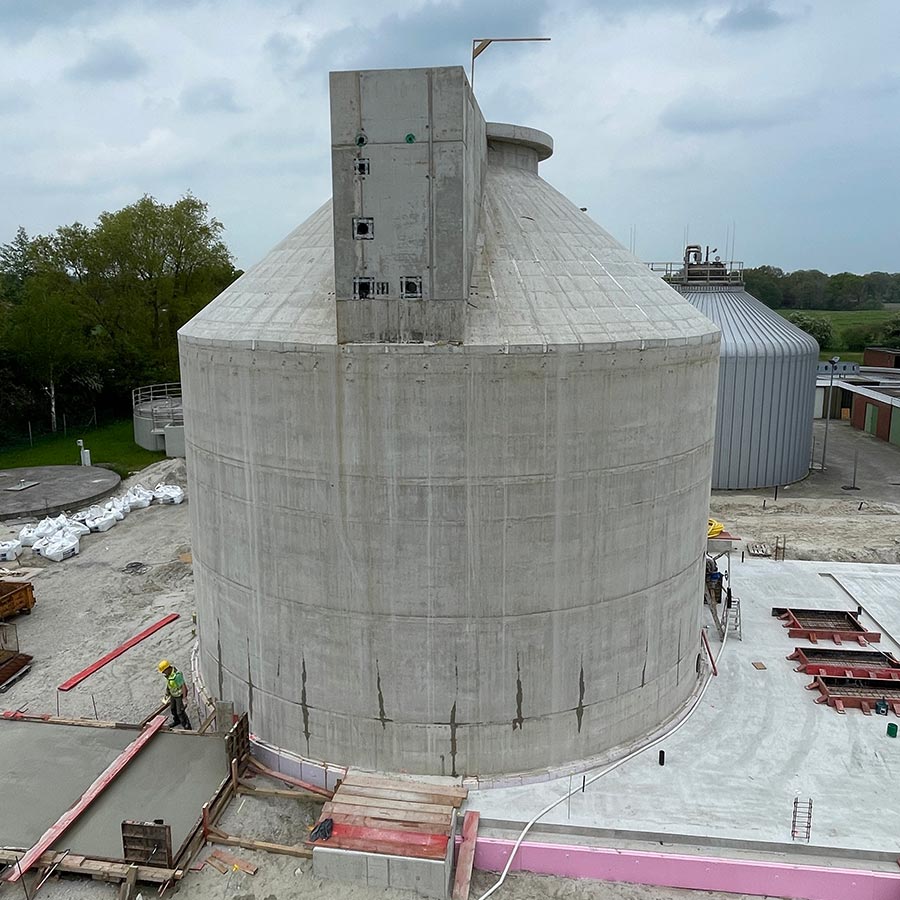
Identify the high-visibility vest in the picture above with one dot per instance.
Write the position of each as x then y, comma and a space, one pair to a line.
175, 682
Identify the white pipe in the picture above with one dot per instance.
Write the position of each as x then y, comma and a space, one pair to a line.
600, 774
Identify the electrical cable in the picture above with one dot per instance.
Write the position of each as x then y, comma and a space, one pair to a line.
678, 725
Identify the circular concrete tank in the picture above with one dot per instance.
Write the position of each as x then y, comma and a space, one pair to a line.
454, 559
767, 383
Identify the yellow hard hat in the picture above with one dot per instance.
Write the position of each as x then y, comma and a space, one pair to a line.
164, 664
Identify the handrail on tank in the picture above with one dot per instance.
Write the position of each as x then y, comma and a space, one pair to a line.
700, 273
155, 392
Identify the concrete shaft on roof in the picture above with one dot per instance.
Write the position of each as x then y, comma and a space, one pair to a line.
472, 557
767, 383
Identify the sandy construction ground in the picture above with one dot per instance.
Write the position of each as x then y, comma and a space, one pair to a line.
88, 605
827, 529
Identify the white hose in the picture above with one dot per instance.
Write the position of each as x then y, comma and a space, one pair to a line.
675, 728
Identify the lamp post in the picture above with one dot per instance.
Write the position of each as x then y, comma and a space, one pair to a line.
833, 362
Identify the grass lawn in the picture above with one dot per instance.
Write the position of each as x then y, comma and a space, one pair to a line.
113, 445
841, 318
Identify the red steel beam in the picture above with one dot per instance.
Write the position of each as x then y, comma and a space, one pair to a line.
93, 667
55, 831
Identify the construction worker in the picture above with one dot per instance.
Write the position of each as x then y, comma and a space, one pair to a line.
176, 694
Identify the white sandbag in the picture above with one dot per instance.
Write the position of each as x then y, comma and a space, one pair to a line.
138, 497
27, 535
10, 550
73, 526
59, 546
48, 526
103, 521
111, 507
168, 493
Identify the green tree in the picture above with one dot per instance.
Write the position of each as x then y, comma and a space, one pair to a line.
858, 337
817, 327
766, 283
890, 332
805, 289
849, 291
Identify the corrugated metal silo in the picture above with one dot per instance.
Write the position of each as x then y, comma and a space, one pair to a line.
767, 380
450, 449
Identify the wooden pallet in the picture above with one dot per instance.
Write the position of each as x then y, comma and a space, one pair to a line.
13, 669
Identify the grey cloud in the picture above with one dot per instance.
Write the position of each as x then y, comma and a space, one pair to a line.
701, 115
436, 35
756, 15
213, 95
108, 60
15, 98
22, 19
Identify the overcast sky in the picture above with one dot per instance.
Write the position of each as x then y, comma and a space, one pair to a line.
780, 116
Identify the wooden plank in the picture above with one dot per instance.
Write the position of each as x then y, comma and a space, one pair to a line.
394, 815
465, 859
374, 822
386, 803
358, 790
129, 885
288, 779
79, 865
388, 837
235, 861
230, 840
218, 865
345, 843
449, 791
113, 654
55, 831
245, 787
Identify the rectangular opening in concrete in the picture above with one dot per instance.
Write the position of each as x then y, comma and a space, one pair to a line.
361, 166
363, 287
363, 228
411, 287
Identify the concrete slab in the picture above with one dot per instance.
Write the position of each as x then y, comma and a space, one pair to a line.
757, 741
48, 766
56, 488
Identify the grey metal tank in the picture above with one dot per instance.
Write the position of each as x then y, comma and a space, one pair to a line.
449, 446
767, 379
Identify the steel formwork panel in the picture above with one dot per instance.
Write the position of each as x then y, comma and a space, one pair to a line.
838, 625
856, 693
846, 663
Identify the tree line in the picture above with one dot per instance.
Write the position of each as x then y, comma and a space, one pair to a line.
812, 289
88, 313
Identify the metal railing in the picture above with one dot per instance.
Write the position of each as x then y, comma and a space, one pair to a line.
700, 273
155, 392
161, 403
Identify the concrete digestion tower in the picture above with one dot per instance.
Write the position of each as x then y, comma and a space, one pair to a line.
767, 378
449, 446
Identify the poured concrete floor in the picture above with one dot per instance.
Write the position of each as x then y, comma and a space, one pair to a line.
55, 488
757, 741
47, 767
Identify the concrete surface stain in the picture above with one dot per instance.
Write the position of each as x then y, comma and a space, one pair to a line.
519, 719
579, 710
249, 683
303, 702
219, 656
381, 714
453, 739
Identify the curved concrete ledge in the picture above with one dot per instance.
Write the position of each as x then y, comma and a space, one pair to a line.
523, 136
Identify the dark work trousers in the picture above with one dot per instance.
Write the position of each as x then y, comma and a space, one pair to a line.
179, 713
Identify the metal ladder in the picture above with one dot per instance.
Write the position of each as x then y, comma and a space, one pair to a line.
733, 618
801, 819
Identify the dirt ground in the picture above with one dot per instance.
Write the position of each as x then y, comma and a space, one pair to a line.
88, 605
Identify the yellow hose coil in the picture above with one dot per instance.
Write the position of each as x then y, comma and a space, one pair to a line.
715, 528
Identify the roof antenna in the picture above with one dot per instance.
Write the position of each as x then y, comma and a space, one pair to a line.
479, 45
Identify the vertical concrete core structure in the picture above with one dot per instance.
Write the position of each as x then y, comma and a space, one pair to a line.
449, 446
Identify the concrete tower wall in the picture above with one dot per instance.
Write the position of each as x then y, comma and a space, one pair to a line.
408, 159
462, 591
442, 557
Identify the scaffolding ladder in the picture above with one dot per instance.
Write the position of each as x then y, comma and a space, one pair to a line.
733, 618
801, 819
